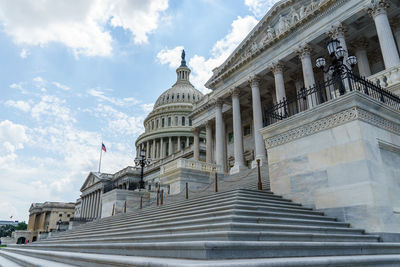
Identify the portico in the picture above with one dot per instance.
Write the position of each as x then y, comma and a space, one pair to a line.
277, 61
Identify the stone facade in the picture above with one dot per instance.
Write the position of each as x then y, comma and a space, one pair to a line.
44, 217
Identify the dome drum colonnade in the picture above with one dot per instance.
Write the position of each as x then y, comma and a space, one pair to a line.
280, 78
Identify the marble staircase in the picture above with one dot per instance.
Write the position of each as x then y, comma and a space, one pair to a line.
238, 226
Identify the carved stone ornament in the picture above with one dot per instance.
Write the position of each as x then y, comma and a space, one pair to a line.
254, 81
235, 92
337, 30
277, 67
377, 7
330, 122
304, 50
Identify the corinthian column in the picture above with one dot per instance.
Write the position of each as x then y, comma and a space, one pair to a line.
196, 143
209, 142
259, 148
361, 46
277, 69
219, 138
237, 132
162, 152
377, 10
304, 53
169, 146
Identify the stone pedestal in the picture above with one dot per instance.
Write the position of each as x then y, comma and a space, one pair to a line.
343, 158
115, 200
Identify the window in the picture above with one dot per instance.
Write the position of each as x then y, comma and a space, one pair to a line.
68, 215
60, 215
162, 122
172, 97
156, 124
183, 96
167, 97
246, 130
177, 96
152, 125
183, 121
176, 121
169, 121
230, 137
193, 97
190, 122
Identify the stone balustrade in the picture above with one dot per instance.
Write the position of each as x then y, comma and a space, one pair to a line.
386, 78
190, 164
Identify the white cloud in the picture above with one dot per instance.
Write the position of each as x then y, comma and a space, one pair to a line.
202, 67
52, 107
260, 7
172, 57
61, 86
24, 53
12, 137
80, 25
22, 105
147, 107
116, 101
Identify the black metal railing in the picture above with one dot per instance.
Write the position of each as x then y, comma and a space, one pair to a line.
109, 187
325, 91
81, 219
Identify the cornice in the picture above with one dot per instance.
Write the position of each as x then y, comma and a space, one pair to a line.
230, 66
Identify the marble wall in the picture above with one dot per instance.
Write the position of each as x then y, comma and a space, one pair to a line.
342, 158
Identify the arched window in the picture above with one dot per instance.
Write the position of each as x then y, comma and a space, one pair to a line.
169, 121
183, 96
183, 121
172, 97
157, 124
177, 96
162, 122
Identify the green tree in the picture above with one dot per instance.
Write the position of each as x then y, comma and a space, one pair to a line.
21, 226
6, 230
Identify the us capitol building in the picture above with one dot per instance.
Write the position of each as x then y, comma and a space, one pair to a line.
310, 97
315, 156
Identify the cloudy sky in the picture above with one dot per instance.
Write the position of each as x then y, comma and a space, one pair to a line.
74, 73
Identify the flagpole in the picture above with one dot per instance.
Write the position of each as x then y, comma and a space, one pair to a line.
101, 152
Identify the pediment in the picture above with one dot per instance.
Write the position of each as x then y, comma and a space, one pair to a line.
90, 180
280, 20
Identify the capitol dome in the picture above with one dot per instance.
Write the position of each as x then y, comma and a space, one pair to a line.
182, 91
168, 127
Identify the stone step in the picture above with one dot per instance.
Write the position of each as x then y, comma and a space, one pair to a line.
164, 210
198, 213
228, 249
214, 217
88, 259
247, 235
107, 260
5, 262
224, 226
17, 259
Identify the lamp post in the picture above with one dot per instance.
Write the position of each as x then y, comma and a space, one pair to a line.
141, 162
337, 68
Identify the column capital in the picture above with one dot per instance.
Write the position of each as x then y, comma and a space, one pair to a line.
235, 92
304, 50
254, 80
336, 30
208, 124
377, 7
219, 102
277, 67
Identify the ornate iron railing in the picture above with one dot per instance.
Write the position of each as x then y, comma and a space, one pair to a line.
326, 91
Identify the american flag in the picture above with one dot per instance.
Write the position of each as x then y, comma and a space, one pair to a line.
103, 147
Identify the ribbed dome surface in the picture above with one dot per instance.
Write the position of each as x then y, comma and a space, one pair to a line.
181, 92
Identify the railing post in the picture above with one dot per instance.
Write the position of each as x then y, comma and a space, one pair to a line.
216, 182
162, 197
141, 202
158, 196
187, 191
259, 175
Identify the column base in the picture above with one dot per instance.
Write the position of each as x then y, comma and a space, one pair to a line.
263, 161
237, 168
